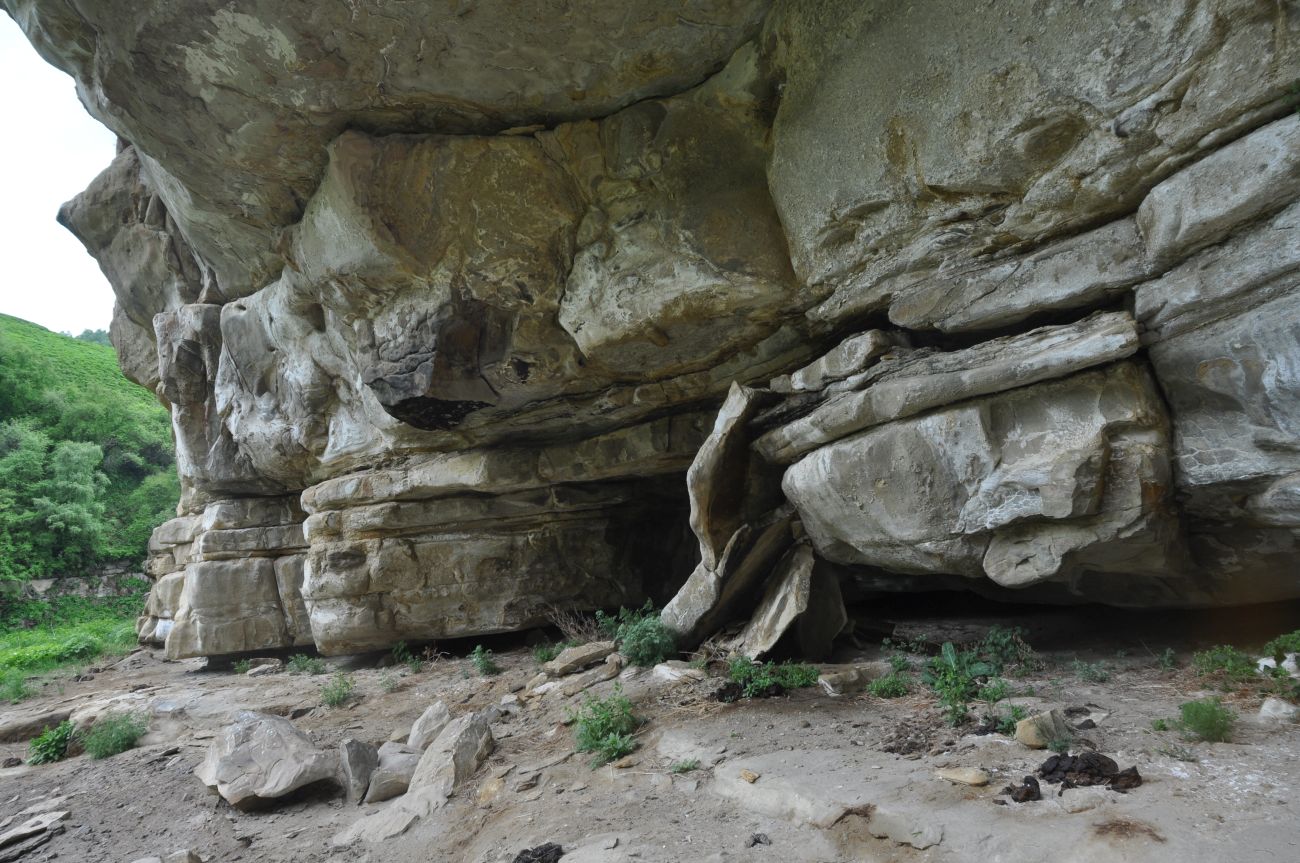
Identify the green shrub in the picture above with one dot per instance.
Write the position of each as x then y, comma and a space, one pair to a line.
301, 663
242, 666
640, 634
954, 676
1091, 672
605, 726
893, 685
402, 655
1279, 647
1159, 725
1226, 663
1206, 720
484, 663
1005, 649
390, 682
1167, 660
684, 766
113, 734
768, 678
51, 745
338, 691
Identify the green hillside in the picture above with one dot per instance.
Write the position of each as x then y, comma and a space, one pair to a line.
86, 460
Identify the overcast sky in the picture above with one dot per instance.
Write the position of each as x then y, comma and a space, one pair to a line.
49, 150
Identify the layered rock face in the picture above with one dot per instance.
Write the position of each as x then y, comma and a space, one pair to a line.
467, 312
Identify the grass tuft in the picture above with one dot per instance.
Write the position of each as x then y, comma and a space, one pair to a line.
113, 734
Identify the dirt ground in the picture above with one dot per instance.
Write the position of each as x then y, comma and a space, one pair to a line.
827, 786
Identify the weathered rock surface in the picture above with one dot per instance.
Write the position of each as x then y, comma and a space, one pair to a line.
263, 757
357, 763
392, 776
448, 305
428, 726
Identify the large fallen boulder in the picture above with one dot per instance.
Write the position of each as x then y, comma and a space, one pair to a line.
262, 758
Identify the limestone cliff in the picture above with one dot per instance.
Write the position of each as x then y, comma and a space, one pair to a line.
444, 300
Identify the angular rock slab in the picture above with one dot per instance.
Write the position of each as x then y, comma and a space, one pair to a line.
357, 763
428, 726
392, 775
261, 758
711, 598
913, 384
1039, 483
802, 598
451, 759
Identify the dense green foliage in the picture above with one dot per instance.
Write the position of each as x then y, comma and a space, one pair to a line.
85, 456
301, 663
605, 726
113, 734
51, 744
641, 635
1206, 720
338, 691
765, 679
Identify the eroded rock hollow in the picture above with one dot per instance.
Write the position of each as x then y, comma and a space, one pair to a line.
464, 311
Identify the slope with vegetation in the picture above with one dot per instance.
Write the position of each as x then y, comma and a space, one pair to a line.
86, 464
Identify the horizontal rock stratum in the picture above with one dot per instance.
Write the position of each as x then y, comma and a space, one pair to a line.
445, 301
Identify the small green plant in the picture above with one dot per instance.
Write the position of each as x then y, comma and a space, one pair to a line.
484, 663
893, 685
1279, 647
113, 734
301, 663
1006, 723
1225, 663
954, 676
993, 691
1166, 660
762, 679
1207, 720
899, 663
1060, 745
640, 634
338, 691
402, 655
605, 726
1006, 649
1159, 725
390, 682
242, 666
51, 745
917, 645
1091, 672
684, 766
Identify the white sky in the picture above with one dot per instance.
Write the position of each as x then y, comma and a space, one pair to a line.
50, 149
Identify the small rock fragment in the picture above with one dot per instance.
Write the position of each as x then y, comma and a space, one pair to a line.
757, 839
964, 776
749, 776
